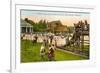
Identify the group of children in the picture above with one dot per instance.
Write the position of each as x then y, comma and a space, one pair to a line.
50, 54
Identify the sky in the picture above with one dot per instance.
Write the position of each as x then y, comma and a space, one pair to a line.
66, 18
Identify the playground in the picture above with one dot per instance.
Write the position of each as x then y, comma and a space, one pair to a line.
31, 53
54, 38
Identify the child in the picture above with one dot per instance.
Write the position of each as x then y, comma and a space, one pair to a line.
51, 54
42, 51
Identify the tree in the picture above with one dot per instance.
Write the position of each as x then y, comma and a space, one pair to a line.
26, 19
29, 21
41, 26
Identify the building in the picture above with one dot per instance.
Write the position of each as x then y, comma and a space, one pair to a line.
26, 27
57, 26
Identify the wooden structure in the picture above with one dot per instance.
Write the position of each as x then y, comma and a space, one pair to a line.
56, 26
81, 30
26, 27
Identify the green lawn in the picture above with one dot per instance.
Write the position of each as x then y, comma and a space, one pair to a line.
31, 53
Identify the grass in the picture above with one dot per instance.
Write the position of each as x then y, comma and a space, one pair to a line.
31, 53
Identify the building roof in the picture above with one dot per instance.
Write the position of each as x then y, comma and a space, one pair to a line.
25, 24
57, 26
61, 29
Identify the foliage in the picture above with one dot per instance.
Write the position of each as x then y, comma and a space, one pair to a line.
40, 26
29, 21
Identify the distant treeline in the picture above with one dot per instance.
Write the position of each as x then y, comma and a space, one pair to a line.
42, 26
